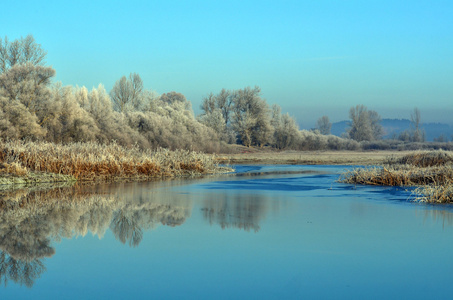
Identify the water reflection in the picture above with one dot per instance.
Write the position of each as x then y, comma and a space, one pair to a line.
30, 220
20, 271
242, 211
442, 215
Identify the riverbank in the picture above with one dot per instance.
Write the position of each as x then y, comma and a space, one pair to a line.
431, 172
35, 163
257, 156
26, 163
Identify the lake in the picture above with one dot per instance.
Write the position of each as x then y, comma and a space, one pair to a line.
267, 232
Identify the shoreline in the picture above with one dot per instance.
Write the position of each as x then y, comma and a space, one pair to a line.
27, 163
253, 157
363, 158
398, 173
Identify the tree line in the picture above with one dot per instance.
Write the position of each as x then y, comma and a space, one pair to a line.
365, 126
32, 107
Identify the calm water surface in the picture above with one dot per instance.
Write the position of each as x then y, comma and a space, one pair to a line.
270, 232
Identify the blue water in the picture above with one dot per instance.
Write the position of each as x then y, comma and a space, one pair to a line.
267, 232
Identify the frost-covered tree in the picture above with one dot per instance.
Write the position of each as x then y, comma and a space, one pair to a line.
417, 135
211, 106
67, 120
214, 120
323, 125
27, 84
172, 124
365, 125
245, 114
208, 104
174, 98
286, 131
224, 102
251, 117
24, 87
376, 127
20, 51
16, 121
127, 93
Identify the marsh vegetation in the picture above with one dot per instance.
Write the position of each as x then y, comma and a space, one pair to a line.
431, 172
93, 161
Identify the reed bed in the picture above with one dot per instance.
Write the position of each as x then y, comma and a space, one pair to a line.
434, 193
423, 159
431, 172
13, 169
92, 161
402, 175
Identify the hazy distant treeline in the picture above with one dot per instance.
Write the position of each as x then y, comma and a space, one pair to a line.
34, 108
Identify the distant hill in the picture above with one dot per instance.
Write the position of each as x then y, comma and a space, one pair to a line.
396, 126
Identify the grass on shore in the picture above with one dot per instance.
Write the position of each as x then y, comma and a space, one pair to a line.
20, 162
430, 171
244, 155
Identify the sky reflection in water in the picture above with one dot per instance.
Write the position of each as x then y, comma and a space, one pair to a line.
271, 232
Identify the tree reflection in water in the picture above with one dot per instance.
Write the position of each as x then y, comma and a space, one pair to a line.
240, 211
20, 271
30, 220
126, 229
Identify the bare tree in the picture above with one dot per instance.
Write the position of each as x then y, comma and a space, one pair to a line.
324, 125
417, 135
127, 93
375, 122
208, 104
224, 101
21, 51
416, 118
360, 129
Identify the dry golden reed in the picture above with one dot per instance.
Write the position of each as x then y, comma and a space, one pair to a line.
431, 172
13, 169
402, 175
93, 161
423, 159
434, 193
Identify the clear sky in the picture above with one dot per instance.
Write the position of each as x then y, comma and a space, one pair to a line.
313, 58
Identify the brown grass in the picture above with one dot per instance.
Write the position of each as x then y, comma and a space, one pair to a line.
246, 155
431, 172
423, 159
434, 193
92, 161
401, 175
14, 169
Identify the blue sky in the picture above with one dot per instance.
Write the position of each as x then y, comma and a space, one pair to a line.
313, 58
